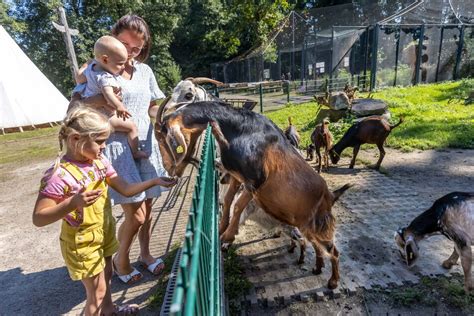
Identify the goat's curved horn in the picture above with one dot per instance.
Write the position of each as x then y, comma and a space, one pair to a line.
201, 80
161, 109
189, 78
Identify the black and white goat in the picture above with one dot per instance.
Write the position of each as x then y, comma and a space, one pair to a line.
189, 91
453, 216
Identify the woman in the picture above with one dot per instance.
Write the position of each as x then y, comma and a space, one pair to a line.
139, 91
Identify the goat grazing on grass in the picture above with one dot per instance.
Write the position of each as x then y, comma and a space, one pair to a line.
292, 134
321, 137
371, 130
453, 216
255, 152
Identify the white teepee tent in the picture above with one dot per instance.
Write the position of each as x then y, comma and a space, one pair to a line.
27, 97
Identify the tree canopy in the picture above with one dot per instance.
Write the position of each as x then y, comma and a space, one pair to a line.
187, 36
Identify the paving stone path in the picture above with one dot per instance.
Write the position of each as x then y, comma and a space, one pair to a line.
367, 216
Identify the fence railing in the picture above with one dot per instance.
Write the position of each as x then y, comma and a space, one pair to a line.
199, 287
272, 95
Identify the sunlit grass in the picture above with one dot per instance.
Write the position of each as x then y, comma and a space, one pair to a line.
20, 148
435, 116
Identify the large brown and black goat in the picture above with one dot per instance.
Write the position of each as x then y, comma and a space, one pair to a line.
371, 130
321, 138
453, 216
255, 152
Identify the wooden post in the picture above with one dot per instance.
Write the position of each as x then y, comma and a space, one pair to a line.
67, 33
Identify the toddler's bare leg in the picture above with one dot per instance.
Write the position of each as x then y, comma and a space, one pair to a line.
130, 128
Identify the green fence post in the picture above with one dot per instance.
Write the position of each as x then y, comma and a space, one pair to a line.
419, 55
287, 83
373, 71
260, 90
458, 55
439, 53
397, 48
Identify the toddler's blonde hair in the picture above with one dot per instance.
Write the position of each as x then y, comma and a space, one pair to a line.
84, 121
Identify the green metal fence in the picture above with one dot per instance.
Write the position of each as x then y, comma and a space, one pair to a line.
198, 290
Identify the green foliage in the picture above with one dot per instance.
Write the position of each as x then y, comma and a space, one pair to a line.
7, 21
156, 299
431, 290
271, 53
216, 31
408, 297
235, 282
386, 76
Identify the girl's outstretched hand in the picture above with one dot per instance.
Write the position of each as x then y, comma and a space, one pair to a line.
167, 181
83, 198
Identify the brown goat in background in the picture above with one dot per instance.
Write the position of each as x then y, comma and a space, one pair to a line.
292, 134
321, 137
350, 92
371, 130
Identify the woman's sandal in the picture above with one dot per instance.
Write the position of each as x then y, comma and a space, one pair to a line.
156, 268
130, 278
126, 309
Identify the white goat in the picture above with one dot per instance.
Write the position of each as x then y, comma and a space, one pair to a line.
453, 216
189, 91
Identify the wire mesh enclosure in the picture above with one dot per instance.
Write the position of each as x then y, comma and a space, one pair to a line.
367, 45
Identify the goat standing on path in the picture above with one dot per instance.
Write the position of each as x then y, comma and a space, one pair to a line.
453, 216
371, 130
255, 152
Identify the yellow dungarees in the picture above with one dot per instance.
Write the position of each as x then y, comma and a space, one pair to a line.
85, 247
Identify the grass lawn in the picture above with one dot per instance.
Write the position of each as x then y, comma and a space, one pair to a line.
21, 148
435, 116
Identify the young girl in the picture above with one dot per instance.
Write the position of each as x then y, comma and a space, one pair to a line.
75, 190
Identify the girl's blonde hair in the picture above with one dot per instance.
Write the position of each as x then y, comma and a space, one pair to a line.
84, 121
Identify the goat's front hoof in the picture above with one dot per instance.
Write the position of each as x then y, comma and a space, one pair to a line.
447, 264
225, 246
332, 284
317, 271
227, 237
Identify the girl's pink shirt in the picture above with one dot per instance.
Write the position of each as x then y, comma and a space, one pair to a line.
60, 184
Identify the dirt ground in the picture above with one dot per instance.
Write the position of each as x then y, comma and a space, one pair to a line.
30, 260
433, 173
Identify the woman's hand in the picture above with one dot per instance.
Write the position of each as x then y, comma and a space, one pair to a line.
85, 198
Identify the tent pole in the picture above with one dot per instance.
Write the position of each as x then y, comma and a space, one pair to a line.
67, 32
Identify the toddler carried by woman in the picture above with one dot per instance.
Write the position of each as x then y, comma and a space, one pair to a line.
101, 76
